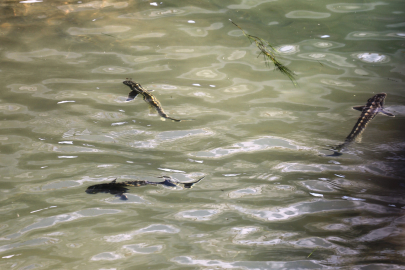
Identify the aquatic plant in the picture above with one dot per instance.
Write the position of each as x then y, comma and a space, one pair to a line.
269, 54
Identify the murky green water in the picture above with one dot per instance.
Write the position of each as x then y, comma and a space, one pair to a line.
271, 198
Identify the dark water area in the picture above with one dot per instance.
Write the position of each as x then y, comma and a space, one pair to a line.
272, 196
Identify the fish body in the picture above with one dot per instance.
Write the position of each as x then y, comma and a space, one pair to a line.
148, 98
374, 106
119, 188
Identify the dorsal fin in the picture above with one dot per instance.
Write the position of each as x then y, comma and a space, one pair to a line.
113, 181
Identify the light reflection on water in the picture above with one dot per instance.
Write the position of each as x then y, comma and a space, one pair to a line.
270, 196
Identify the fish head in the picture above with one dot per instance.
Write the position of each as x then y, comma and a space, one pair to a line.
130, 83
94, 189
378, 100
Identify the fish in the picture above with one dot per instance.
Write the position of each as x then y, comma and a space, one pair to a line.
119, 188
153, 102
374, 106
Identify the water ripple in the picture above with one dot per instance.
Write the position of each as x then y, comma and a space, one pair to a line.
126, 251
307, 14
253, 191
288, 49
207, 73
186, 260
371, 57
154, 228
109, 29
52, 221
269, 200
34, 242
298, 210
374, 35
353, 7
334, 59
27, 56
166, 12
113, 70
260, 144
248, 4
197, 214
91, 6
201, 31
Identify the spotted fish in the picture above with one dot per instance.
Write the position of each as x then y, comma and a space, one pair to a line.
148, 98
118, 189
374, 106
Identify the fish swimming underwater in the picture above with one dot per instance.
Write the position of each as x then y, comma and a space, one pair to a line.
374, 106
118, 189
148, 98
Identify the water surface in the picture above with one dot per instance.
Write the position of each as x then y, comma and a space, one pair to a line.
271, 197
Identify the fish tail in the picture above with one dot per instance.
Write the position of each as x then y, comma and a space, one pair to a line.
335, 154
176, 120
180, 120
190, 185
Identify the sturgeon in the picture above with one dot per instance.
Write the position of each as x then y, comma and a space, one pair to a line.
119, 188
148, 98
374, 106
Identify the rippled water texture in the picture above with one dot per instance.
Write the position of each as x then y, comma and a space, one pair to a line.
271, 198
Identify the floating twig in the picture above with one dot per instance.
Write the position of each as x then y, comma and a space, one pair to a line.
268, 54
312, 252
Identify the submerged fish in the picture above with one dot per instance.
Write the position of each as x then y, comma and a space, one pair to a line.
374, 106
148, 98
118, 189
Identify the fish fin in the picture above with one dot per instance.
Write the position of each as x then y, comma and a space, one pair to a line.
114, 181
337, 150
122, 196
152, 110
169, 183
358, 138
190, 185
335, 154
359, 108
132, 95
386, 113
